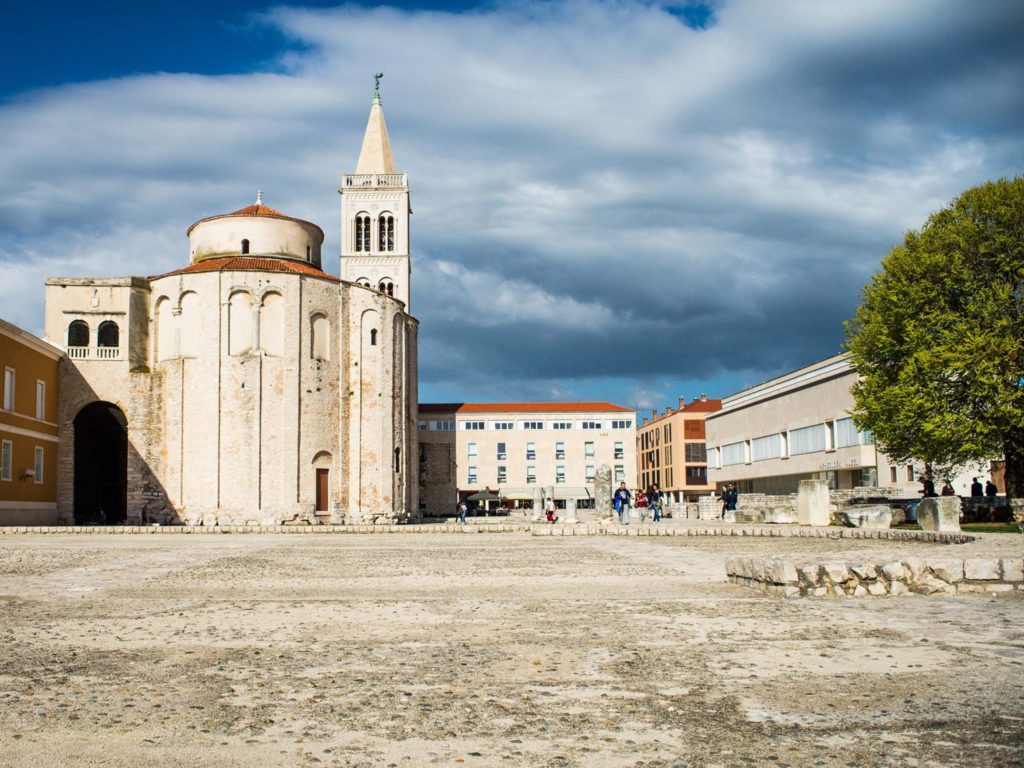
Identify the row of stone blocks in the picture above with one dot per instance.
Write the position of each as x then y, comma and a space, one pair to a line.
926, 576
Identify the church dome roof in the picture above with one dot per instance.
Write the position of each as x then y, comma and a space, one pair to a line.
250, 264
256, 209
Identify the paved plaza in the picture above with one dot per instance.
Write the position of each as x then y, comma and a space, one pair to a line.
489, 650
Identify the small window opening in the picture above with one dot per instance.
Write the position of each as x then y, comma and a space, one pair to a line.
309, 252
362, 232
373, 337
386, 232
78, 334
108, 334
245, 246
398, 461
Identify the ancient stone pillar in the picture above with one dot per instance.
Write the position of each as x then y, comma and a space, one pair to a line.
812, 503
939, 513
538, 503
603, 492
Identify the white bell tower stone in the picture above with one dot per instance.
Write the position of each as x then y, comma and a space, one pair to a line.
375, 214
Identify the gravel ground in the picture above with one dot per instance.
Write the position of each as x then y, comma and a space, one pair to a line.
489, 650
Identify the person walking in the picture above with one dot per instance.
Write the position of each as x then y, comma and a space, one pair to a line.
549, 508
991, 491
947, 490
655, 500
641, 505
976, 490
734, 498
725, 499
462, 512
623, 498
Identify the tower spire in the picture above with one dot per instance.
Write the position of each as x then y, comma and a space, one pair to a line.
375, 155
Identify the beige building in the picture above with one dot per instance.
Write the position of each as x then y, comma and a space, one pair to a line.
28, 428
521, 451
767, 438
249, 386
671, 450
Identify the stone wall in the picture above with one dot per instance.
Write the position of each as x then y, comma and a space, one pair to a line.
926, 576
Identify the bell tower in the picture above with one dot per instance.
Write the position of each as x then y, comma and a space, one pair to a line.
375, 213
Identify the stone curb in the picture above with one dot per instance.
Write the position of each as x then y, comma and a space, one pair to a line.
926, 576
536, 529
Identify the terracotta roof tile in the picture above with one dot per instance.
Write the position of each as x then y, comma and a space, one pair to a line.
251, 264
256, 209
521, 408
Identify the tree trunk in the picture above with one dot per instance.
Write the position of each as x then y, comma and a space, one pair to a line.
1013, 478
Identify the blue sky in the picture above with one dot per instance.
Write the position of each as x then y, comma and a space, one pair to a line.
624, 200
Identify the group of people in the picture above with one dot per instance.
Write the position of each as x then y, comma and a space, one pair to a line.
988, 491
650, 500
730, 497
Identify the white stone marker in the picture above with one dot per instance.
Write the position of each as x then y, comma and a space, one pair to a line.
812, 503
939, 513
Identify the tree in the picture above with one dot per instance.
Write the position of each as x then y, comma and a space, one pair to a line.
938, 341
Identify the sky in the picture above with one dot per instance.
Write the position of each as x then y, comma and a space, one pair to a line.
624, 201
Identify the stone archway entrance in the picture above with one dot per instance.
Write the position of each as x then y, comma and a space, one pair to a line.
101, 465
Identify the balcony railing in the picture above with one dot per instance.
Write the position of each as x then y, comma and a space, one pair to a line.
373, 180
94, 353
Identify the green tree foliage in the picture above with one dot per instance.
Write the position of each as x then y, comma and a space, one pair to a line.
939, 338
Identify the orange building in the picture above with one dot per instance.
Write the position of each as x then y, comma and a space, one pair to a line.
671, 452
28, 428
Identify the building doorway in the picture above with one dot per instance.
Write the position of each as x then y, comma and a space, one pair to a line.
323, 486
101, 465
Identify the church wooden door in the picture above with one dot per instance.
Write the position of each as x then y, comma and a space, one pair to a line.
322, 489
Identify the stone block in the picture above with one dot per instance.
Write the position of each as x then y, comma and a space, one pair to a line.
790, 591
810, 574
783, 572
941, 513
868, 518
917, 567
981, 570
1013, 570
860, 591
898, 588
864, 571
930, 586
948, 569
812, 503
836, 572
876, 588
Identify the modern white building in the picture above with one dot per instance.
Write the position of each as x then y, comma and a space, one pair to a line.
249, 386
797, 426
520, 451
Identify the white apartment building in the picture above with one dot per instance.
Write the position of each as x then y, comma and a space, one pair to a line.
797, 426
520, 450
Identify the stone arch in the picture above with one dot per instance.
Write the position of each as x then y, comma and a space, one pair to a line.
320, 337
165, 346
190, 324
239, 323
101, 464
78, 334
108, 334
323, 465
272, 324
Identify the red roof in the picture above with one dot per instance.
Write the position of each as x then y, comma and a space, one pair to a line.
521, 408
251, 264
256, 209
709, 405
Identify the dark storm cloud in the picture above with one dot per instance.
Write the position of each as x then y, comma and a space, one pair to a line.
606, 199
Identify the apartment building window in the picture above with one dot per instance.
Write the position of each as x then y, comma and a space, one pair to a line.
503, 425
442, 426
475, 425
423, 426
807, 439
696, 453
910, 473
40, 400
502, 473
559, 450
561, 425
667, 431
38, 467
668, 454
502, 453
767, 447
8, 389
713, 457
533, 425
733, 453
620, 473
471, 451
892, 474
560, 473
531, 451
588, 473
696, 475
668, 476
591, 425
618, 424
588, 450
6, 459
531, 474
471, 475
620, 452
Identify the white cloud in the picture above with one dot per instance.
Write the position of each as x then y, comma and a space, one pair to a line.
592, 181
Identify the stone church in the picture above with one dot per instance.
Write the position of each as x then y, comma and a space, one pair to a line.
250, 386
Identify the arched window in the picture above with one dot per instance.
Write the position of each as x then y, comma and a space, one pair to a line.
245, 246
239, 323
165, 346
363, 232
108, 334
363, 282
390, 289
386, 232
320, 338
78, 334
373, 337
189, 325
272, 325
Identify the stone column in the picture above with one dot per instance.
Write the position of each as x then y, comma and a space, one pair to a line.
603, 492
538, 503
570, 510
812, 503
939, 513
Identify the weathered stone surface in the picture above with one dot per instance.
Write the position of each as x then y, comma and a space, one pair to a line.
810, 573
603, 491
813, 503
918, 568
940, 513
894, 571
981, 570
948, 569
783, 572
898, 588
876, 588
874, 517
1013, 570
864, 571
836, 572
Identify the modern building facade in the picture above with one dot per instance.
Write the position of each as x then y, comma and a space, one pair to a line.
797, 426
29, 392
249, 386
521, 451
671, 450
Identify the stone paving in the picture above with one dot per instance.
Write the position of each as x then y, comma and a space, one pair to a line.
491, 650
